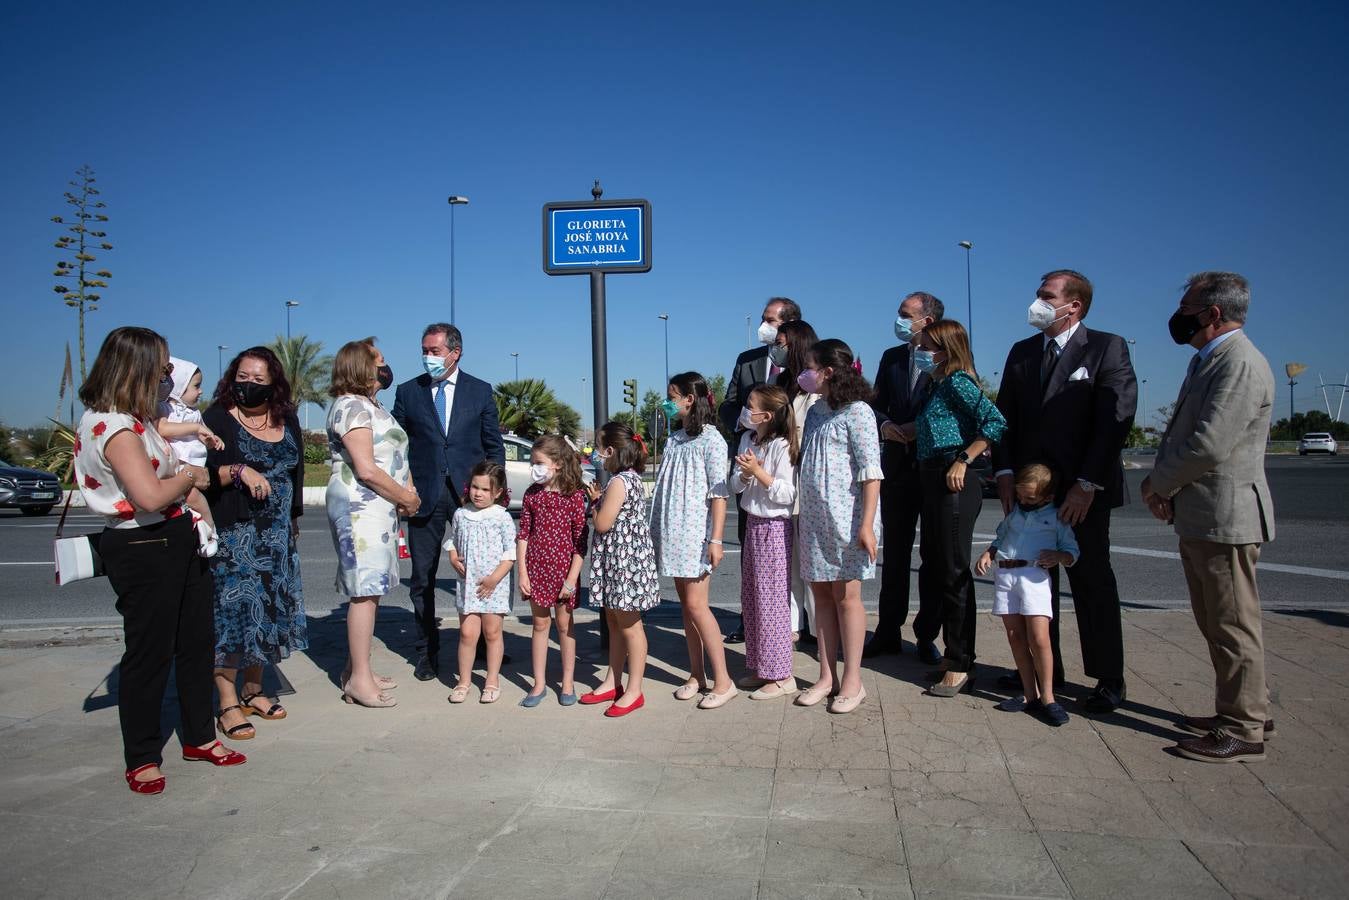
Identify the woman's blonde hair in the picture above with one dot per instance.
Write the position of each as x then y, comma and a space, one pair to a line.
354, 369
126, 373
949, 336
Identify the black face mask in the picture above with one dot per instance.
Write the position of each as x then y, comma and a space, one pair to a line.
1184, 327
165, 389
385, 375
250, 394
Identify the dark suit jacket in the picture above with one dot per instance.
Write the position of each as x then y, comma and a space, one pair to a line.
1077, 425
435, 454
751, 368
895, 402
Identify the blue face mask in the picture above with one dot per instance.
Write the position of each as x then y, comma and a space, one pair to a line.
434, 365
670, 408
903, 329
924, 360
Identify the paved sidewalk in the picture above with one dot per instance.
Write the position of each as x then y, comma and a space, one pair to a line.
909, 796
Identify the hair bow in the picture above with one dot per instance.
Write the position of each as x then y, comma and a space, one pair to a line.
638, 439
857, 366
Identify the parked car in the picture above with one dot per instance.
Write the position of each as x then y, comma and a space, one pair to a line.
33, 491
517, 467
1317, 442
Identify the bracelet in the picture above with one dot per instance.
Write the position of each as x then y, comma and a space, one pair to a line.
710, 541
235, 471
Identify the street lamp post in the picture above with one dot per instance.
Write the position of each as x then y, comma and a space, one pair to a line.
454, 200
1144, 383
517, 365
290, 304
969, 301
665, 317
220, 361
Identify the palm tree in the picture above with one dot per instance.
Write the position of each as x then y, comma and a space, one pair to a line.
307, 369
529, 408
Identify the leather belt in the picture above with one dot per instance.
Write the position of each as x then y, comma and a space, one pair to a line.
1013, 563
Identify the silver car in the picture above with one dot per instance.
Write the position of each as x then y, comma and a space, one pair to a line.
1317, 442
517, 468
33, 491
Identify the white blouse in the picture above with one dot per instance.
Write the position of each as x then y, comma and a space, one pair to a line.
778, 499
103, 492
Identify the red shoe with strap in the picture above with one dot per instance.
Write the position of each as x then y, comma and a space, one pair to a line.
153, 786
591, 698
207, 754
615, 711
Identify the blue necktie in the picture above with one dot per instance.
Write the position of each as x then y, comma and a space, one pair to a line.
440, 405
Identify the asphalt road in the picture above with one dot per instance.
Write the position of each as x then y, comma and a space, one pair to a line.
1306, 567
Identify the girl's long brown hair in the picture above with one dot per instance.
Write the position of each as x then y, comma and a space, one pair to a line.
783, 424
568, 478
949, 336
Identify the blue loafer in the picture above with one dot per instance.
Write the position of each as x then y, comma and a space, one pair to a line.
567, 699
1054, 714
531, 700
1012, 704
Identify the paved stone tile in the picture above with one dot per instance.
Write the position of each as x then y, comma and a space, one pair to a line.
545, 836
1110, 867
602, 784
1299, 755
959, 799
951, 861
1145, 758
1049, 751
380, 872
666, 886
447, 827
736, 743
866, 853
1247, 871
1089, 805
782, 889
713, 791
1324, 807
26, 839
813, 738
1236, 813
846, 795
498, 878
707, 845
930, 746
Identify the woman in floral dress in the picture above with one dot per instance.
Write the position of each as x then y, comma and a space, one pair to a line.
369, 487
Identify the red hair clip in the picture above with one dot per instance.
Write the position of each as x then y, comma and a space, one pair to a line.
857, 365
711, 401
640, 443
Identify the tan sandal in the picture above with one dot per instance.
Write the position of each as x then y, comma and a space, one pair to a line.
459, 693
490, 694
273, 710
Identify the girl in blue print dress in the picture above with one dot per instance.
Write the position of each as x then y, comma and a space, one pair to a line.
623, 578
481, 544
840, 483
688, 514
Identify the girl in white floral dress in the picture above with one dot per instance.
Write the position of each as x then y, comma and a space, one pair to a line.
688, 514
840, 524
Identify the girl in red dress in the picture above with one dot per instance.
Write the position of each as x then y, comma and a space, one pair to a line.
551, 548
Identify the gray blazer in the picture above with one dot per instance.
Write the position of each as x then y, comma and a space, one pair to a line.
1211, 461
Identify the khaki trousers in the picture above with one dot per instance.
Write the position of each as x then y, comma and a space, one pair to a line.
1226, 604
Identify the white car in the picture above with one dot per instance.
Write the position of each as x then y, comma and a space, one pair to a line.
517, 468
1317, 442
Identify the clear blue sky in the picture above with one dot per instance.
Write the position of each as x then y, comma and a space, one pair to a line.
834, 153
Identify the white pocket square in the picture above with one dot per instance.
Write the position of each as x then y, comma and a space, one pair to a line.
1079, 375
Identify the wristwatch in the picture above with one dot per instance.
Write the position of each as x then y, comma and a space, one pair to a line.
1088, 486
963, 457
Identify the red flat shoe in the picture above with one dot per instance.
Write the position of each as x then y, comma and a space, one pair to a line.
591, 698
153, 786
616, 711
206, 754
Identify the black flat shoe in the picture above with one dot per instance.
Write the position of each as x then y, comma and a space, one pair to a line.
1105, 698
735, 637
427, 669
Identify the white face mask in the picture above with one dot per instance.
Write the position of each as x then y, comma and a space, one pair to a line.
1042, 315
540, 473
767, 333
747, 419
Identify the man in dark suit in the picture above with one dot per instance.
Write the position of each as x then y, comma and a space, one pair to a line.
900, 392
451, 421
753, 367
1069, 397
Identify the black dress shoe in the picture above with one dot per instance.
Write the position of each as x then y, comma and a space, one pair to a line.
1105, 697
735, 637
928, 653
1220, 747
807, 639
1202, 725
881, 646
428, 668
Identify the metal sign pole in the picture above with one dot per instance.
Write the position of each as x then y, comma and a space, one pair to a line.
599, 350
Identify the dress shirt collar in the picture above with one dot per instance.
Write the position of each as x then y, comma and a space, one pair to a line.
1207, 350
1062, 339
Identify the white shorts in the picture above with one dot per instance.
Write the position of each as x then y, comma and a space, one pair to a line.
1024, 592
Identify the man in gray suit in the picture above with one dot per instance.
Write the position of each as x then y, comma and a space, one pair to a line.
1209, 481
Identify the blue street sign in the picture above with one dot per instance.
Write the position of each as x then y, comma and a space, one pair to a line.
613, 236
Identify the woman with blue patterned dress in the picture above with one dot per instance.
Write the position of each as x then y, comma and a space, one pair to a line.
370, 486
257, 479
956, 425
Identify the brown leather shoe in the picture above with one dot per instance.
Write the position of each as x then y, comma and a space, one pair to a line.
1220, 747
1202, 725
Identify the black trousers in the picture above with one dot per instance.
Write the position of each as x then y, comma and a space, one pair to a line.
425, 534
945, 580
167, 603
1095, 600
901, 502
